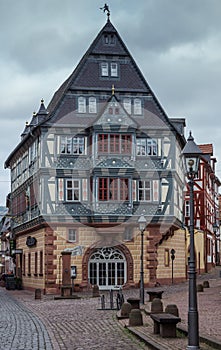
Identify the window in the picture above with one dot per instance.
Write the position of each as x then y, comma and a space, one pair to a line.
33, 152
141, 147
144, 190
78, 145
36, 263
151, 147
137, 106
109, 69
72, 235
127, 105
92, 105
29, 264
66, 145
72, 190
72, 145
114, 143
104, 69
146, 147
113, 189
114, 70
81, 104
24, 264
41, 264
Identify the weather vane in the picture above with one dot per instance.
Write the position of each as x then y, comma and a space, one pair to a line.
106, 9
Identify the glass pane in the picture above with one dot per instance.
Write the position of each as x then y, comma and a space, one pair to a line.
102, 274
111, 274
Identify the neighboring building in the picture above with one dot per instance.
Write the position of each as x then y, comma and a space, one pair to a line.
103, 153
206, 209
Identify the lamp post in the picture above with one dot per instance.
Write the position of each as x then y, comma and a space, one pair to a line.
142, 225
217, 237
191, 156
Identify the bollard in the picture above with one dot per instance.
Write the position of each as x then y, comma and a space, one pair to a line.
125, 309
156, 306
206, 284
37, 294
199, 288
95, 291
135, 318
172, 309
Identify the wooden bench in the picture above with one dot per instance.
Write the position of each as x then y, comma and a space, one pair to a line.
154, 293
165, 324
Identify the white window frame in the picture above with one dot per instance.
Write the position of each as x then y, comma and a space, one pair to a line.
72, 189
146, 147
127, 105
137, 106
92, 105
72, 235
104, 69
145, 189
114, 69
81, 104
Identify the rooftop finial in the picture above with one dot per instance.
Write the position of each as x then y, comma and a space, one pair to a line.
106, 9
113, 88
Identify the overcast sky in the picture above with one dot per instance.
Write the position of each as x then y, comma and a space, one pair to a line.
176, 44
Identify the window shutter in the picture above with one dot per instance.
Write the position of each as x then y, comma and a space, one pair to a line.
60, 189
84, 190
134, 190
155, 190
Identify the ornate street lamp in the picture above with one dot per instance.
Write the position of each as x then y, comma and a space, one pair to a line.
191, 155
142, 225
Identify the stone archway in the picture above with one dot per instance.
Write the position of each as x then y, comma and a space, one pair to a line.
128, 260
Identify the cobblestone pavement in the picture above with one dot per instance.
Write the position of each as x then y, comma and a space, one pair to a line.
19, 328
79, 325
71, 324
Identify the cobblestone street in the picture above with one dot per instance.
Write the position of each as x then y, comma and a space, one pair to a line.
77, 324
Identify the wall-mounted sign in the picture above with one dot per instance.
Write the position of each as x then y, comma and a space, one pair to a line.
31, 241
17, 251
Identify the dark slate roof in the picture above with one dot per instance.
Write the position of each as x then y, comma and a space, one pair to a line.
85, 77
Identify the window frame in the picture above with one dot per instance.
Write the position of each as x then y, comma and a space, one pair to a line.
71, 231
82, 105
137, 104
113, 189
71, 190
143, 190
146, 147
114, 144
68, 144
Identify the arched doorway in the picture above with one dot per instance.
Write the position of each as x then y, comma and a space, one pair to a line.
107, 268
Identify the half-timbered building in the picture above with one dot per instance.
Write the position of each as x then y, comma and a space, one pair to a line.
206, 212
103, 153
